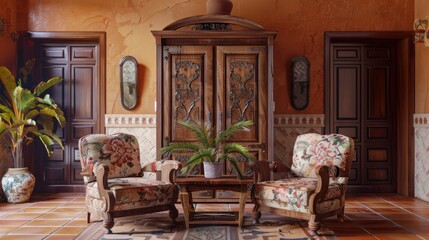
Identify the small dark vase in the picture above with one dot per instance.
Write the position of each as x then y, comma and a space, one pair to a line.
223, 7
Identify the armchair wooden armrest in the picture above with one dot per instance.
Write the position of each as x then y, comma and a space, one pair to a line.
265, 170
173, 173
281, 171
262, 171
319, 195
103, 188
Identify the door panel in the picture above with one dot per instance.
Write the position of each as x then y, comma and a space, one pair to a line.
377, 93
347, 78
83, 92
243, 87
242, 95
188, 89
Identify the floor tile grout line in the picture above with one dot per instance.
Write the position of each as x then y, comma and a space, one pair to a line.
50, 211
394, 220
390, 220
397, 206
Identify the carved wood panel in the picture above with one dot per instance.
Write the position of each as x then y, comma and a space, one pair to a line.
242, 94
188, 89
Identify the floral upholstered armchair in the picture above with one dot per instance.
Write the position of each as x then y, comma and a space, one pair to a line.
316, 183
114, 183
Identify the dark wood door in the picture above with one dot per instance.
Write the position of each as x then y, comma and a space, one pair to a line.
77, 95
362, 102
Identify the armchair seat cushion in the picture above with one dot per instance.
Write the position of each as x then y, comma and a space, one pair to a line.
293, 193
135, 192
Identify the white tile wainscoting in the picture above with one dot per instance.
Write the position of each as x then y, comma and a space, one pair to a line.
421, 156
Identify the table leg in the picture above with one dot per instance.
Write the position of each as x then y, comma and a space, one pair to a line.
184, 197
243, 196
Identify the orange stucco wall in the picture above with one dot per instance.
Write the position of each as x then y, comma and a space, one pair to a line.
300, 24
422, 63
7, 45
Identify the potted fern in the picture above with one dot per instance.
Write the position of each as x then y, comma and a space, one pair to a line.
25, 114
210, 148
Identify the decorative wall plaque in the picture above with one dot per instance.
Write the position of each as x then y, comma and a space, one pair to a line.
300, 88
128, 76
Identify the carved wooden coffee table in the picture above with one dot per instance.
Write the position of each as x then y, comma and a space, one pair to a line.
189, 184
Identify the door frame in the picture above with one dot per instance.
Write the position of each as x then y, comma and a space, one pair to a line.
27, 41
406, 92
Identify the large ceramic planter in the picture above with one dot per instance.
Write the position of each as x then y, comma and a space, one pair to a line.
18, 185
212, 170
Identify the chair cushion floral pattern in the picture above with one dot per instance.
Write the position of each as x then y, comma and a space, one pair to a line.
120, 152
292, 194
312, 150
133, 192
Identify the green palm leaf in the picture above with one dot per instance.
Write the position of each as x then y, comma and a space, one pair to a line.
8, 81
43, 86
180, 147
233, 161
238, 148
3, 127
210, 147
203, 132
198, 157
227, 133
24, 99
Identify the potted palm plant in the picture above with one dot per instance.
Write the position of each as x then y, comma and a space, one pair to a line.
25, 115
210, 148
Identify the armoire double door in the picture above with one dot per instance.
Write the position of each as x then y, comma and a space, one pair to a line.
220, 85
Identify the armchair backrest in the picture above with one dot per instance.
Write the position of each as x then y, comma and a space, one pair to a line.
312, 150
120, 152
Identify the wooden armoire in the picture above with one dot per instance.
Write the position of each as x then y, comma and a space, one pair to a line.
217, 69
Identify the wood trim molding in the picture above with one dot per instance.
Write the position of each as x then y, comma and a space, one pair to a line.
246, 23
404, 41
100, 38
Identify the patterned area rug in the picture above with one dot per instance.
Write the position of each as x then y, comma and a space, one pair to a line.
157, 226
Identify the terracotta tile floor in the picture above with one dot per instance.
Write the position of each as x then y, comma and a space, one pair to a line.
368, 216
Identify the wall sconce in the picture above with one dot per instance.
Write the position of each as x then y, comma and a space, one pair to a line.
421, 31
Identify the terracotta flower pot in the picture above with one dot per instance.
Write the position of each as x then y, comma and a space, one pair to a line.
219, 7
18, 185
